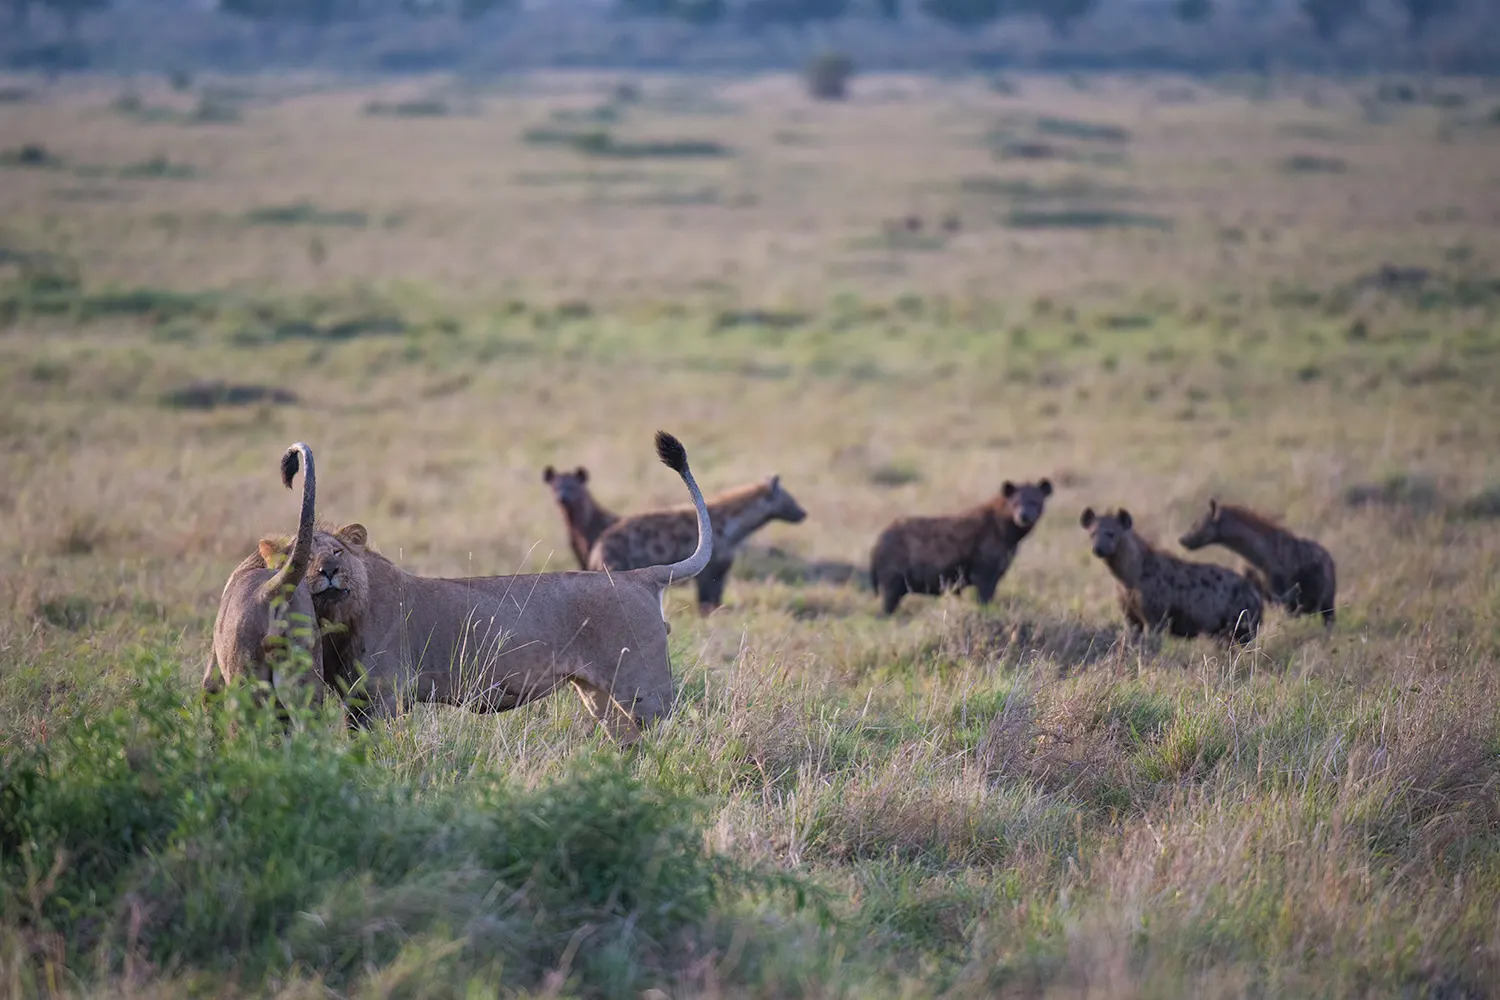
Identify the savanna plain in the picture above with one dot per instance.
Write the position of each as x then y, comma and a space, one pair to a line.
1282, 292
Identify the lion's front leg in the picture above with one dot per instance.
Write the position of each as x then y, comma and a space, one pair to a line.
617, 719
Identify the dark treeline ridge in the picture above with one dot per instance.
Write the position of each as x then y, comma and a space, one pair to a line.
491, 36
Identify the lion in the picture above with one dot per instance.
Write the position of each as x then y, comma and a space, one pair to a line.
266, 609
495, 643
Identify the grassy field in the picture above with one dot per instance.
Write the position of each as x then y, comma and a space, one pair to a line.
1151, 290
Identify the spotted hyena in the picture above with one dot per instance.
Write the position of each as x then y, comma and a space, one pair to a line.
586, 519
1161, 592
931, 555
654, 538
1296, 573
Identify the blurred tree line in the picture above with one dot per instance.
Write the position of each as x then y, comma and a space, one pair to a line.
1326, 19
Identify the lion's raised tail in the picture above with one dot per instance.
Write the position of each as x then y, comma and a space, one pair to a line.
674, 456
295, 568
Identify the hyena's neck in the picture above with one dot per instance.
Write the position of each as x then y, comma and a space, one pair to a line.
588, 518
1129, 559
1254, 543
737, 518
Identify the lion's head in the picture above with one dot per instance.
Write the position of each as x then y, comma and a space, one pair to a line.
337, 576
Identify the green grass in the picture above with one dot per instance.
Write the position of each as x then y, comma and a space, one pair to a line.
953, 801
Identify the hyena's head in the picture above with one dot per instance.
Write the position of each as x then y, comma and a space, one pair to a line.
781, 505
1026, 501
1107, 532
571, 489
1206, 531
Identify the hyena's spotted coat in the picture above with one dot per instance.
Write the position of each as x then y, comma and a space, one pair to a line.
586, 519
1161, 592
651, 539
931, 555
1296, 573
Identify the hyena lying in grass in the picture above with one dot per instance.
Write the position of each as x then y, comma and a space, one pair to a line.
1161, 592
930, 555
657, 537
585, 518
1296, 573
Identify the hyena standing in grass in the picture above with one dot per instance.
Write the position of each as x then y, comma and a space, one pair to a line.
1159, 591
1296, 573
655, 538
585, 518
930, 555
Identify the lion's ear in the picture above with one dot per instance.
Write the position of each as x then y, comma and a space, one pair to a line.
272, 551
354, 534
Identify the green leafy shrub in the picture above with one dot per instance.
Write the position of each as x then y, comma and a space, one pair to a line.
162, 831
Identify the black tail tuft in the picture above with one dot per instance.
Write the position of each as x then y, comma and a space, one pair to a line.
290, 463
671, 452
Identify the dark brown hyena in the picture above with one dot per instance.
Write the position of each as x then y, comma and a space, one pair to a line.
656, 538
1296, 573
931, 555
1159, 591
585, 518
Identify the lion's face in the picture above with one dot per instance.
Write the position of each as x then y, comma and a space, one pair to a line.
336, 573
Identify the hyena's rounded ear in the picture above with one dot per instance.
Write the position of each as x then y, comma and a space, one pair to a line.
549, 474
354, 534
582, 474
1087, 517
1213, 506
1046, 487
1124, 518
776, 482
1007, 489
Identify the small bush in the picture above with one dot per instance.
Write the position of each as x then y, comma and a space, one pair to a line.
429, 107
827, 76
1482, 506
213, 111
158, 167
601, 143
1084, 218
32, 154
893, 474
210, 394
303, 213
1071, 128
1413, 492
72, 613
1307, 163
